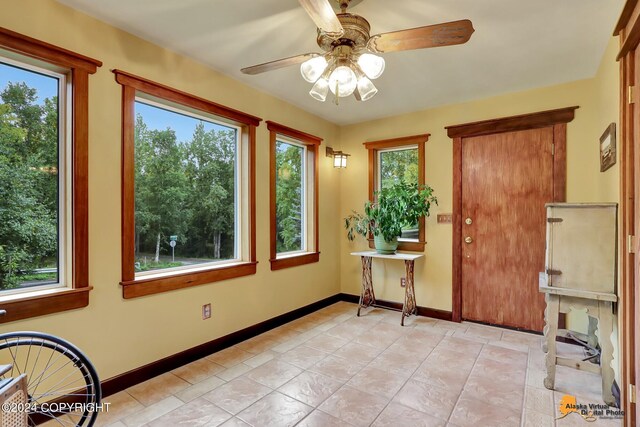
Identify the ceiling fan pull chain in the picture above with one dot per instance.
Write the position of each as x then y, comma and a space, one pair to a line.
337, 98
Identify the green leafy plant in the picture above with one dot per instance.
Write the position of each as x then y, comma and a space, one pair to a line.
395, 207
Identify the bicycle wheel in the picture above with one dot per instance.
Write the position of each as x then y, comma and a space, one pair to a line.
62, 384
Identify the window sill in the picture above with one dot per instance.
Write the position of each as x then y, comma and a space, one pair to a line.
38, 303
405, 246
143, 286
294, 260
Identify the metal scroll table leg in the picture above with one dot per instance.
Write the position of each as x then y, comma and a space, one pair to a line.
409, 307
367, 297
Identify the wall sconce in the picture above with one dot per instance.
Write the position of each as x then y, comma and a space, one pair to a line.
339, 158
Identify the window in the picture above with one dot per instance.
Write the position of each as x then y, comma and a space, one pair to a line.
43, 177
399, 165
188, 189
294, 197
399, 160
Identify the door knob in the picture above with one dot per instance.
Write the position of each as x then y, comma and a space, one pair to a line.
468, 240
468, 221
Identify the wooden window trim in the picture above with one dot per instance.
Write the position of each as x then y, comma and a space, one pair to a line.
557, 119
39, 302
312, 143
374, 147
133, 287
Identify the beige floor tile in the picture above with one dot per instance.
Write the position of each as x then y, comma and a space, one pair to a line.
257, 345
237, 395
536, 378
427, 398
234, 372
500, 371
311, 388
345, 331
325, 342
196, 390
539, 400
234, 422
504, 355
449, 376
354, 406
199, 412
260, 359
152, 412
402, 364
157, 388
230, 357
537, 419
274, 373
121, 405
474, 413
379, 341
399, 415
320, 419
289, 344
336, 367
116, 424
303, 356
441, 356
444, 374
357, 352
197, 371
506, 394
375, 381
275, 410
461, 345
523, 348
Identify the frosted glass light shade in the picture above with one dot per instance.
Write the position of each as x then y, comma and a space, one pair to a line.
320, 90
312, 69
371, 65
366, 89
344, 80
339, 160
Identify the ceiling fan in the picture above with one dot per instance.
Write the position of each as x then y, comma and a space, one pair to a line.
350, 59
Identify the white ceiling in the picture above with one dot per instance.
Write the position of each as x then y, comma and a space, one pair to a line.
517, 45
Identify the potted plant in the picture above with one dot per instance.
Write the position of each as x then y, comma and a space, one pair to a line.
394, 208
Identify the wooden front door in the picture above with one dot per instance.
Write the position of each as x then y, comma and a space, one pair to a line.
506, 180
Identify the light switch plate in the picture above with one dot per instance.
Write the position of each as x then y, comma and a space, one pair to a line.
445, 218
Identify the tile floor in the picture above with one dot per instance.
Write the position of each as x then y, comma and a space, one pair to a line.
331, 368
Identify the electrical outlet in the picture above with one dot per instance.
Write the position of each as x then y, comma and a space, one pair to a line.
403, 282
206, 311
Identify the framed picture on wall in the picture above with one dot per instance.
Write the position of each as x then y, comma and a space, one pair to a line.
608, 148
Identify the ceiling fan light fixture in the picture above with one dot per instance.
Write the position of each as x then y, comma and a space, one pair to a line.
313, 68
343, 81
371, 65
366, 89
320, 90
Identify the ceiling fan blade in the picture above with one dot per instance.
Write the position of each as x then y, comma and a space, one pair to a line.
323, 16
279, 63
447, 34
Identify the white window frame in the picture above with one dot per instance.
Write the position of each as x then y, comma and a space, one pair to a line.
241, 250
307, 199
379, 174
65, 238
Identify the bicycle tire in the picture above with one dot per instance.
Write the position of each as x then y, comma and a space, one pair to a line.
87, 393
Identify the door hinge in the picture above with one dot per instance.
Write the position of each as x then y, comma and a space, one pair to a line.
632, 393
631, 244
631, 94
553, 149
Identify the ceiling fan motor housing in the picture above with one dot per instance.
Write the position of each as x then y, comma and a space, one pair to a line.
356, 33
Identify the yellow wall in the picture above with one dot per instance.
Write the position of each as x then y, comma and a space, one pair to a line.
597, 99
121, 335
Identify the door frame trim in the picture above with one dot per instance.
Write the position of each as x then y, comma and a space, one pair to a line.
556, 118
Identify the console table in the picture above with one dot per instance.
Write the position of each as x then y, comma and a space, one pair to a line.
367, 296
